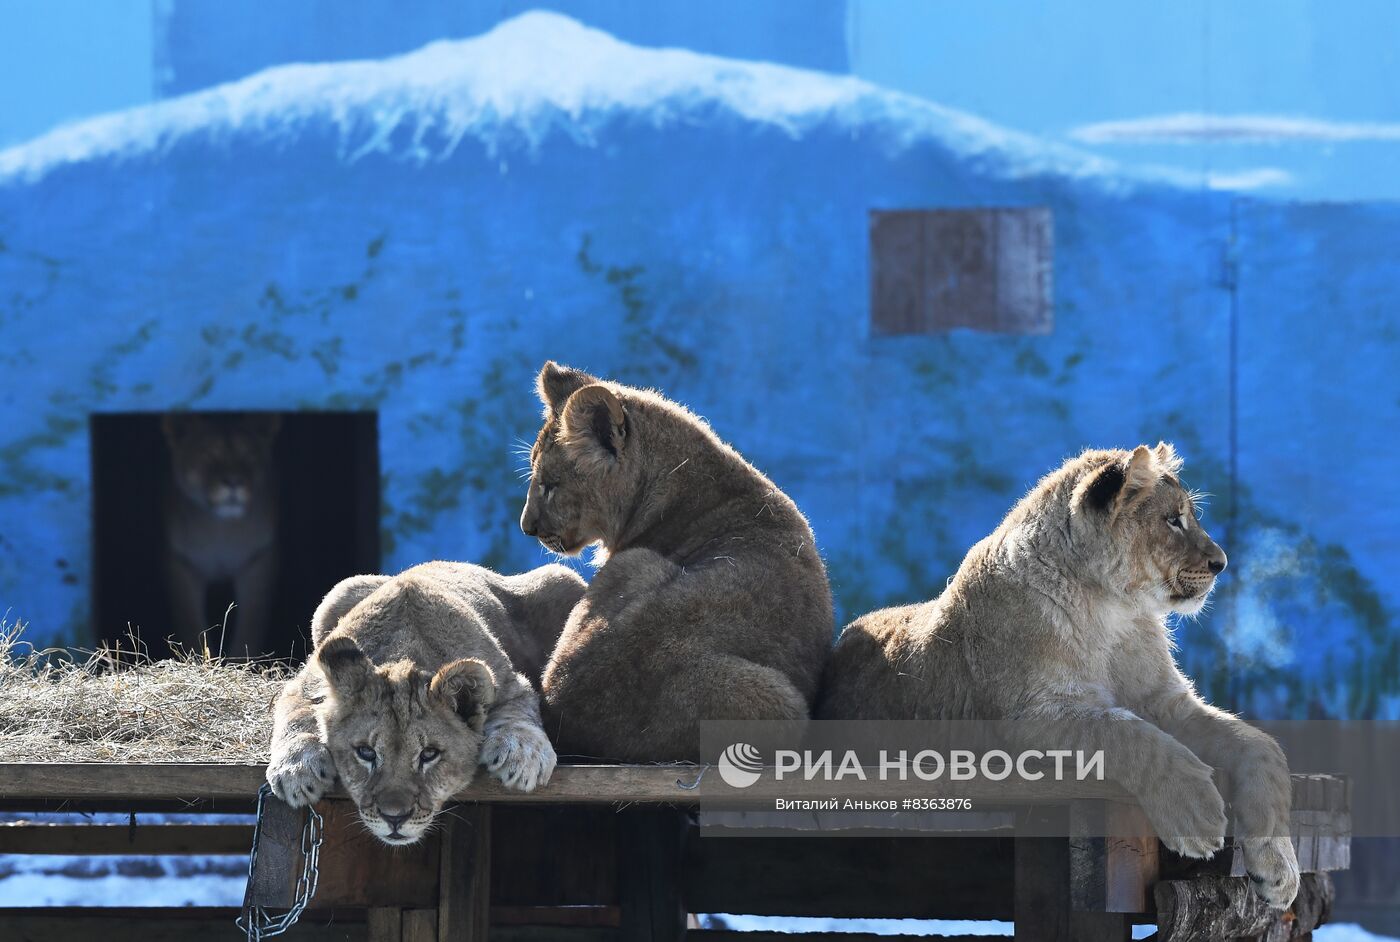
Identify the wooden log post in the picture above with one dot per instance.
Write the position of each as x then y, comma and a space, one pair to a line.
650, 845
1224, 909
1043, 890
272, 885
384, 924
464, 902
419, 925
1114, 858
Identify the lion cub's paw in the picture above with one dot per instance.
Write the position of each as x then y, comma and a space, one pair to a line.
1189, 814
520, 756
301, 773
1273, 869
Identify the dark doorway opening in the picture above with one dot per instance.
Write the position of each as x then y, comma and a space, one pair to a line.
186, 506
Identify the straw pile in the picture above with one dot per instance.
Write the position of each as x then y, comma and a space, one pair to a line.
114, 705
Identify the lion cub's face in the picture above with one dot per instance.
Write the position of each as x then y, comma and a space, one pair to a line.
1162, 551
581, 467
404, 741
221, 462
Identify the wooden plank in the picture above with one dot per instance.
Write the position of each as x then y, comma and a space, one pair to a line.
272, 885
1042, 903
464, 904
571, 916
571, 784
729, 935
240, 805
553, 934
553, 855
122, 780
1113, 858
872, 877
650, 846
42, 838
357, 869
384, 924
420, 925
156, 925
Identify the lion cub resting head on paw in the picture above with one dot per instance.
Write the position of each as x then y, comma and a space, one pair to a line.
410, 689
403, 739
1059, 617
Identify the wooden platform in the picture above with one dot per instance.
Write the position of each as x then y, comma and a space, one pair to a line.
615, 854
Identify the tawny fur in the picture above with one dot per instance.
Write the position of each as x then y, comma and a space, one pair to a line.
1060, 615
426, 660
712, 602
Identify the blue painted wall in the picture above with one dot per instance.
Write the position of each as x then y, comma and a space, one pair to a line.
415, 236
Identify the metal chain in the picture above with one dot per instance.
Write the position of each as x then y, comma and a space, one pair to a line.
256, 922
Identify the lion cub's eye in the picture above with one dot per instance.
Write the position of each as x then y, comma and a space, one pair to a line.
546, 490
366, 754
1177, 521
428, 755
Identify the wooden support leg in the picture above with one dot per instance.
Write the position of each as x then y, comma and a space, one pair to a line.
1113, 858
273, 884
384, 924
1216, 907
650, 842
420, 925
1044, 910
464, 906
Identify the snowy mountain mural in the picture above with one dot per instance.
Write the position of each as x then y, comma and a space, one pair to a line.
411, 237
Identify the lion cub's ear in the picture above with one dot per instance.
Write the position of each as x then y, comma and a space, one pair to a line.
469, 686
1099, 490
593, 428
1118, 486
344, 665
1141, 476
556, 383
1167, 458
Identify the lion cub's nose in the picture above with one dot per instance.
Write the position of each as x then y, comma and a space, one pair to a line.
1217, 564
393, 820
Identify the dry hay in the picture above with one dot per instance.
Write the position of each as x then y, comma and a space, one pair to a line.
118, 705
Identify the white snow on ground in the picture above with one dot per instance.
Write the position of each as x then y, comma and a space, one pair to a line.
1349, 932
51, 880
952, 927
893, 927
39, 880
537, 74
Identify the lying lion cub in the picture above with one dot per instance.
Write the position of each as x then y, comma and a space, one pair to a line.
712, 602
1061, 614
410, 688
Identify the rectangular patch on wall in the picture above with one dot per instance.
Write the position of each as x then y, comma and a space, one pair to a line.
935, 270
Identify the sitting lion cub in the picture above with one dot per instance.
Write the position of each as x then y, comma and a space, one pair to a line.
1060, 615
713, 602
410, 687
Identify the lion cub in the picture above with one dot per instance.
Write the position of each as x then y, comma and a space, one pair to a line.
712, 602
1060, 615
411, 687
